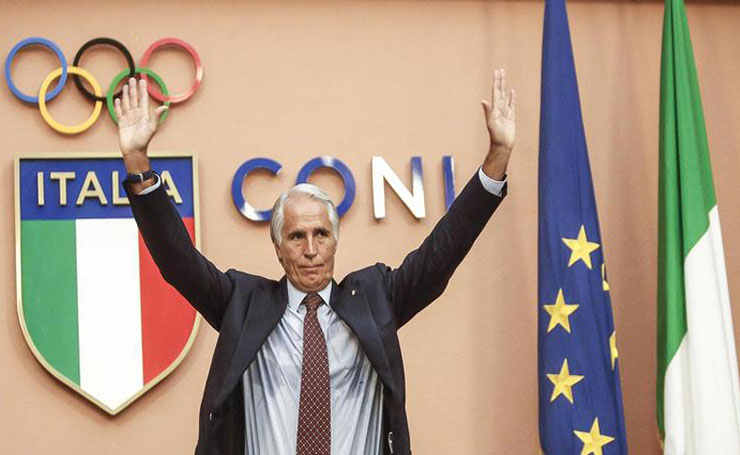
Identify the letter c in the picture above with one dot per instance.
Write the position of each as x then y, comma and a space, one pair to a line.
237, 195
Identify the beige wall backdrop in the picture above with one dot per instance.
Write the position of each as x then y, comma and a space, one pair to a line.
293, 80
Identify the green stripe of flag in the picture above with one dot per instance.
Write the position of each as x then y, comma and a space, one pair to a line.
49, 264
686, 190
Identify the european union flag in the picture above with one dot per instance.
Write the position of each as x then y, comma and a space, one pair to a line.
580, 397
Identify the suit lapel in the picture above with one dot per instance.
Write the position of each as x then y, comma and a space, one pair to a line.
351, 305
262, 317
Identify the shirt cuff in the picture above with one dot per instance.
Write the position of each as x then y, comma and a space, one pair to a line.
156, 185
492, 186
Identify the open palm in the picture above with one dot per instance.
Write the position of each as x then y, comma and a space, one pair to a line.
500, 118
136, 123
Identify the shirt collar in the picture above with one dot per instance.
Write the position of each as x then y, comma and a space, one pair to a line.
295, 297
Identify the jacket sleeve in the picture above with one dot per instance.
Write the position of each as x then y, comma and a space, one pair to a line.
425, 272
206, 288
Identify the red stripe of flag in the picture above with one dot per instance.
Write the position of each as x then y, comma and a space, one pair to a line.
166, 317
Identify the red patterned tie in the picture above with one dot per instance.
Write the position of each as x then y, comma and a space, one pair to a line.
314, 415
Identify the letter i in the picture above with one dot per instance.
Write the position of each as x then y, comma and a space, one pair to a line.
40, 187
448, 174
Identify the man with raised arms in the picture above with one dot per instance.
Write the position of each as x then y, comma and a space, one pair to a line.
305, 365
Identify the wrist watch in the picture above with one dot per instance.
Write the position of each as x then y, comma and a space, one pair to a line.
138, 178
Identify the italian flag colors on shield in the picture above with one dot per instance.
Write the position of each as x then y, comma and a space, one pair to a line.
697, 382
94, 307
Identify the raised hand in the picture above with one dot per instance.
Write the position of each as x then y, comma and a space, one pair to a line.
500, 121
137, 123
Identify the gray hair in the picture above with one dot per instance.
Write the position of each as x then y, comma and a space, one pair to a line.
312, 192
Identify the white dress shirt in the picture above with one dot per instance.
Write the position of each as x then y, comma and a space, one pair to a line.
272, 386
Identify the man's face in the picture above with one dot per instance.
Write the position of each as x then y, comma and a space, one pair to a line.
307, 250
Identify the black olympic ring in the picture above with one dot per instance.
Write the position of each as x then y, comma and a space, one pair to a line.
96, 42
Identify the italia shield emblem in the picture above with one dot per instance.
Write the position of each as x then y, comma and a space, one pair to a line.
93, 307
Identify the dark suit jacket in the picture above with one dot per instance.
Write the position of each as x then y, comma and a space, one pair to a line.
375, 302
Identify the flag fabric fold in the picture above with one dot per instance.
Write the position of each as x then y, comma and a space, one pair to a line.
698, 398
580, 398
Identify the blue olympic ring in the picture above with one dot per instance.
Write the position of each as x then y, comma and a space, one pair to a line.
42, 42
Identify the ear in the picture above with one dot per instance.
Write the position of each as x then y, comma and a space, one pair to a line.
277, 252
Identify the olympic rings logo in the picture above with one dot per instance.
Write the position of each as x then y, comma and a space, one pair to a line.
78, 73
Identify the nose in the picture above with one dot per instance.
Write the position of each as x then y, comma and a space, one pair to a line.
310, 250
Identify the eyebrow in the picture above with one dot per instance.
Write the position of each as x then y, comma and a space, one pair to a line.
321, 230
296, 231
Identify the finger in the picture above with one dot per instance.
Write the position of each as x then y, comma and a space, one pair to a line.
498, 97
133, 94
125, 99
158, 112
117, 108
156, 115
512, 104
486, 109
502, 86
143, 94
493, 85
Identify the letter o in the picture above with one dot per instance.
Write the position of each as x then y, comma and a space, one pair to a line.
348, 179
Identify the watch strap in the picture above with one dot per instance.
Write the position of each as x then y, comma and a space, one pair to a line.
138, 178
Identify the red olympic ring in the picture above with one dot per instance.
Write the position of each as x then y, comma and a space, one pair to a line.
153, 91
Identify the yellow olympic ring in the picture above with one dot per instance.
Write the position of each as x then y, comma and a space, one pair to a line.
65, 129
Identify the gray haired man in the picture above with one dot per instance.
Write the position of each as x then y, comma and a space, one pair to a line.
305, 365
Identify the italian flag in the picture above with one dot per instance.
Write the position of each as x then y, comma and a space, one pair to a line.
698, 397
93, 306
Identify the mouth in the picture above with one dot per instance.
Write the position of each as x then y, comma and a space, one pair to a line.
312, 268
